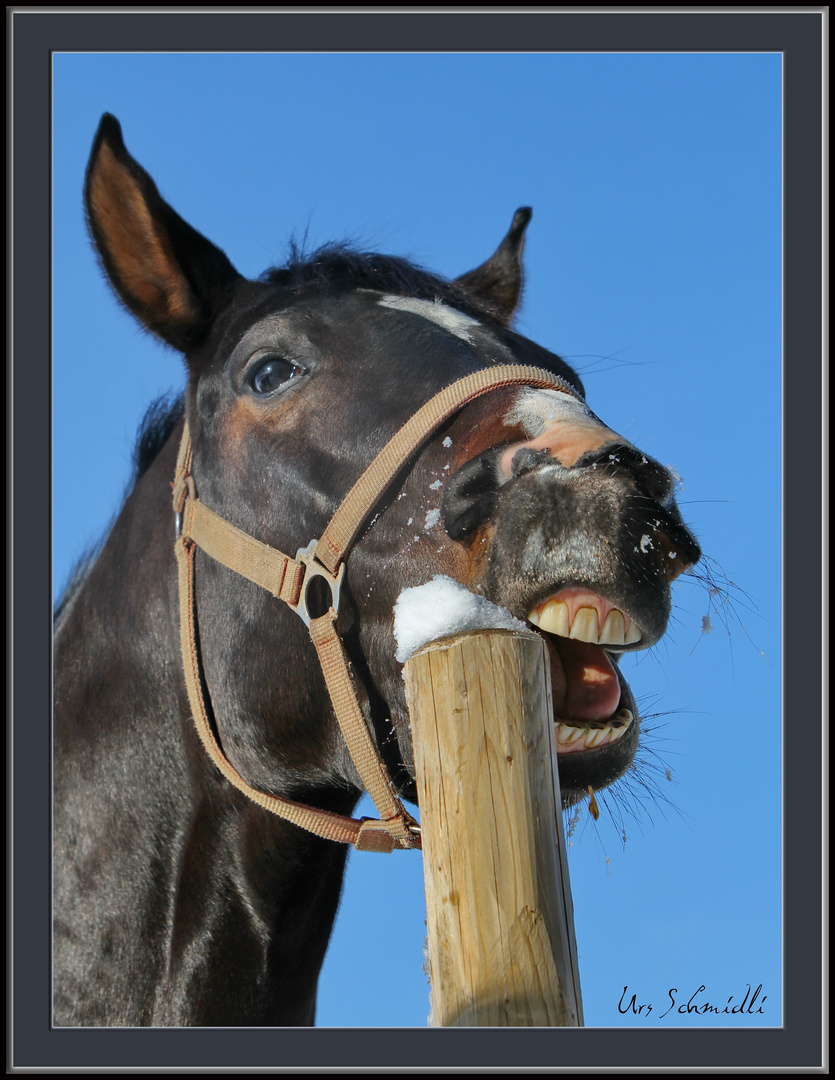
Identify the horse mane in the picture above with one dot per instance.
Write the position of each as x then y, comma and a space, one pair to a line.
160, 419
338, 266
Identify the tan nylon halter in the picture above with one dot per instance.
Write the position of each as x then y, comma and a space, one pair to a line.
288, 579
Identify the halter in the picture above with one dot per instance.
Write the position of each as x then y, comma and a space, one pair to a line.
289, 580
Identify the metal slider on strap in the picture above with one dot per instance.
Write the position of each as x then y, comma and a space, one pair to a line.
377, 836
314, 569
183, 491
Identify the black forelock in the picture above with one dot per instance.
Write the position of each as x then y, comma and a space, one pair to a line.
338, 266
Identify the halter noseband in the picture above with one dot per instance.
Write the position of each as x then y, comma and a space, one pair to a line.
289, 580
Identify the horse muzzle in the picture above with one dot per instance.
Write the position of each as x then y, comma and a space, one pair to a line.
577, 532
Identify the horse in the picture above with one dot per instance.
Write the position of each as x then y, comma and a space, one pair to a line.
225, 677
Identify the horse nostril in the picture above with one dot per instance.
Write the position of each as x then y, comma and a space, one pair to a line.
652, 479
655, 480
527, 459
470, 496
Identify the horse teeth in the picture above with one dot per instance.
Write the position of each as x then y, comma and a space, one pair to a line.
554, 617
570, 735
622, 719
585, 625
614, 629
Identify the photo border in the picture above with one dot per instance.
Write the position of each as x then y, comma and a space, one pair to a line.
33, 35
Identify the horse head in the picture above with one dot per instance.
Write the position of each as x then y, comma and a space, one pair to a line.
525, 497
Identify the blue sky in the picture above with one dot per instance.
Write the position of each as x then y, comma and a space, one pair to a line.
653, 265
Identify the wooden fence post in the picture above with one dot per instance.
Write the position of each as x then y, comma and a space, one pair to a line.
500, 921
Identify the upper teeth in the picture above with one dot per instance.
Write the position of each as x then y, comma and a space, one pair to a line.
554, 617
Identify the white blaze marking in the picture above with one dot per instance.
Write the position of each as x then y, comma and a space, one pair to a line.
557, 423
537, 410
435, 311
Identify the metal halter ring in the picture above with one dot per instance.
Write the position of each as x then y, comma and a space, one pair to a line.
314, 569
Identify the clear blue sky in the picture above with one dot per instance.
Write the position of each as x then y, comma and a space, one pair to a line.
654, 266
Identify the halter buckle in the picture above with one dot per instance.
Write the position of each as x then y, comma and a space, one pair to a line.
313, 569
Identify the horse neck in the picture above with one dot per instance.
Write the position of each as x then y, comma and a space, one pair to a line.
115, 649
178, 855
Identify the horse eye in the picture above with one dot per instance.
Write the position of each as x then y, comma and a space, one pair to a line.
273, 373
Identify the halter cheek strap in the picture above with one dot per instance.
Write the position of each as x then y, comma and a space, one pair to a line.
288, 580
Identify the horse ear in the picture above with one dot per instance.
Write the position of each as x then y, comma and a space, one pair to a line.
498, 282
170, 277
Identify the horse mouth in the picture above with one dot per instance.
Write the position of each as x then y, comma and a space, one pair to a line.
584, 633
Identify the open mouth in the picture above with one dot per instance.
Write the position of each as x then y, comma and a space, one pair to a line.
583, 632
